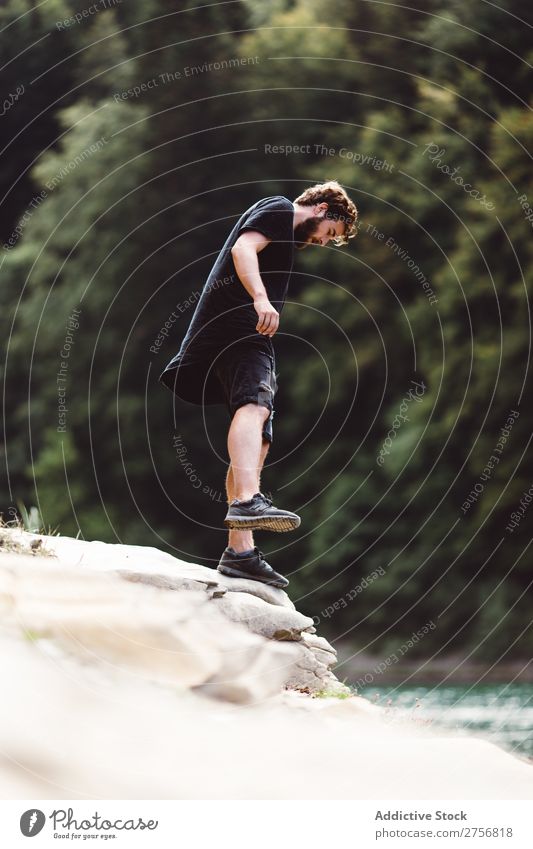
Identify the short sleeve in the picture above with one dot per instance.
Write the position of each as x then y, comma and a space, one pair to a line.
270, 220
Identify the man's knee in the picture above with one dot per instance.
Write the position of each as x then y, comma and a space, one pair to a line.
264, 420
262, 411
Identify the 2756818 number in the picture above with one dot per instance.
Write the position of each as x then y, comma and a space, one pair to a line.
487, 832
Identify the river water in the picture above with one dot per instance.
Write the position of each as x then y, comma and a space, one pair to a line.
501, 713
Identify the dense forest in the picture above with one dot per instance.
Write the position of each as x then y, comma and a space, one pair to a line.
134, 134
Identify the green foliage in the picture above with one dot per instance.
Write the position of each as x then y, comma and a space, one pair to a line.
31, 519
328, 694
140, 191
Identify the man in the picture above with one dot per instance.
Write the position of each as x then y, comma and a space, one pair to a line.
227, 355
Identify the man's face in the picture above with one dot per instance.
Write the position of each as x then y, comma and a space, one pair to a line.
317, 230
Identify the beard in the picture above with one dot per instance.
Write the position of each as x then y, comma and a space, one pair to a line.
305, 230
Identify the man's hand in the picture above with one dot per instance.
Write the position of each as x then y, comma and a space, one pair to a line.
268, 317
245, 260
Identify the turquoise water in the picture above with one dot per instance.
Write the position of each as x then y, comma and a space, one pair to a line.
500, 713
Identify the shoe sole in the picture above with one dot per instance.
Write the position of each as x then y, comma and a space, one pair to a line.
236, 573
267, 523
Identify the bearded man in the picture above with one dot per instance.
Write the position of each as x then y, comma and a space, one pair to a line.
227, 355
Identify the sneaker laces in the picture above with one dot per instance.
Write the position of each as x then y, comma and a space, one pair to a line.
262, 560
267, 499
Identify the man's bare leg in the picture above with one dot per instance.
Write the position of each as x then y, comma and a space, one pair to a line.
242, 478
245, 439
244, 447
243, 540
248, 450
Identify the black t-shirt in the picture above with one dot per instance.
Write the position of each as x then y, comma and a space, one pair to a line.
225, 312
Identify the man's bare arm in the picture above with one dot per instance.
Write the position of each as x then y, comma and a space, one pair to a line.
244, 253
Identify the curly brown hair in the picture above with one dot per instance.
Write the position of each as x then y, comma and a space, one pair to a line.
340, 207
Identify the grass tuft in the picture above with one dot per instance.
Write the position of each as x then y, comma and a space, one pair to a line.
331, 694
28, 522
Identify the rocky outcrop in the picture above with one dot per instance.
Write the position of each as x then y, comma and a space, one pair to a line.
164, 618
128, 674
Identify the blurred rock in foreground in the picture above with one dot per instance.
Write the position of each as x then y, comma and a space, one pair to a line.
128, 673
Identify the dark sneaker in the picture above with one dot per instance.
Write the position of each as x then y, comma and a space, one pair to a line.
259, 514
249, 564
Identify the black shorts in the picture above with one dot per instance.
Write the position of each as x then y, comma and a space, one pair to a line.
247, 374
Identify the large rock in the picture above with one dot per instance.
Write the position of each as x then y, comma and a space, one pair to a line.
107, 654
190, 594
78, 731
180, 639
149, 565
